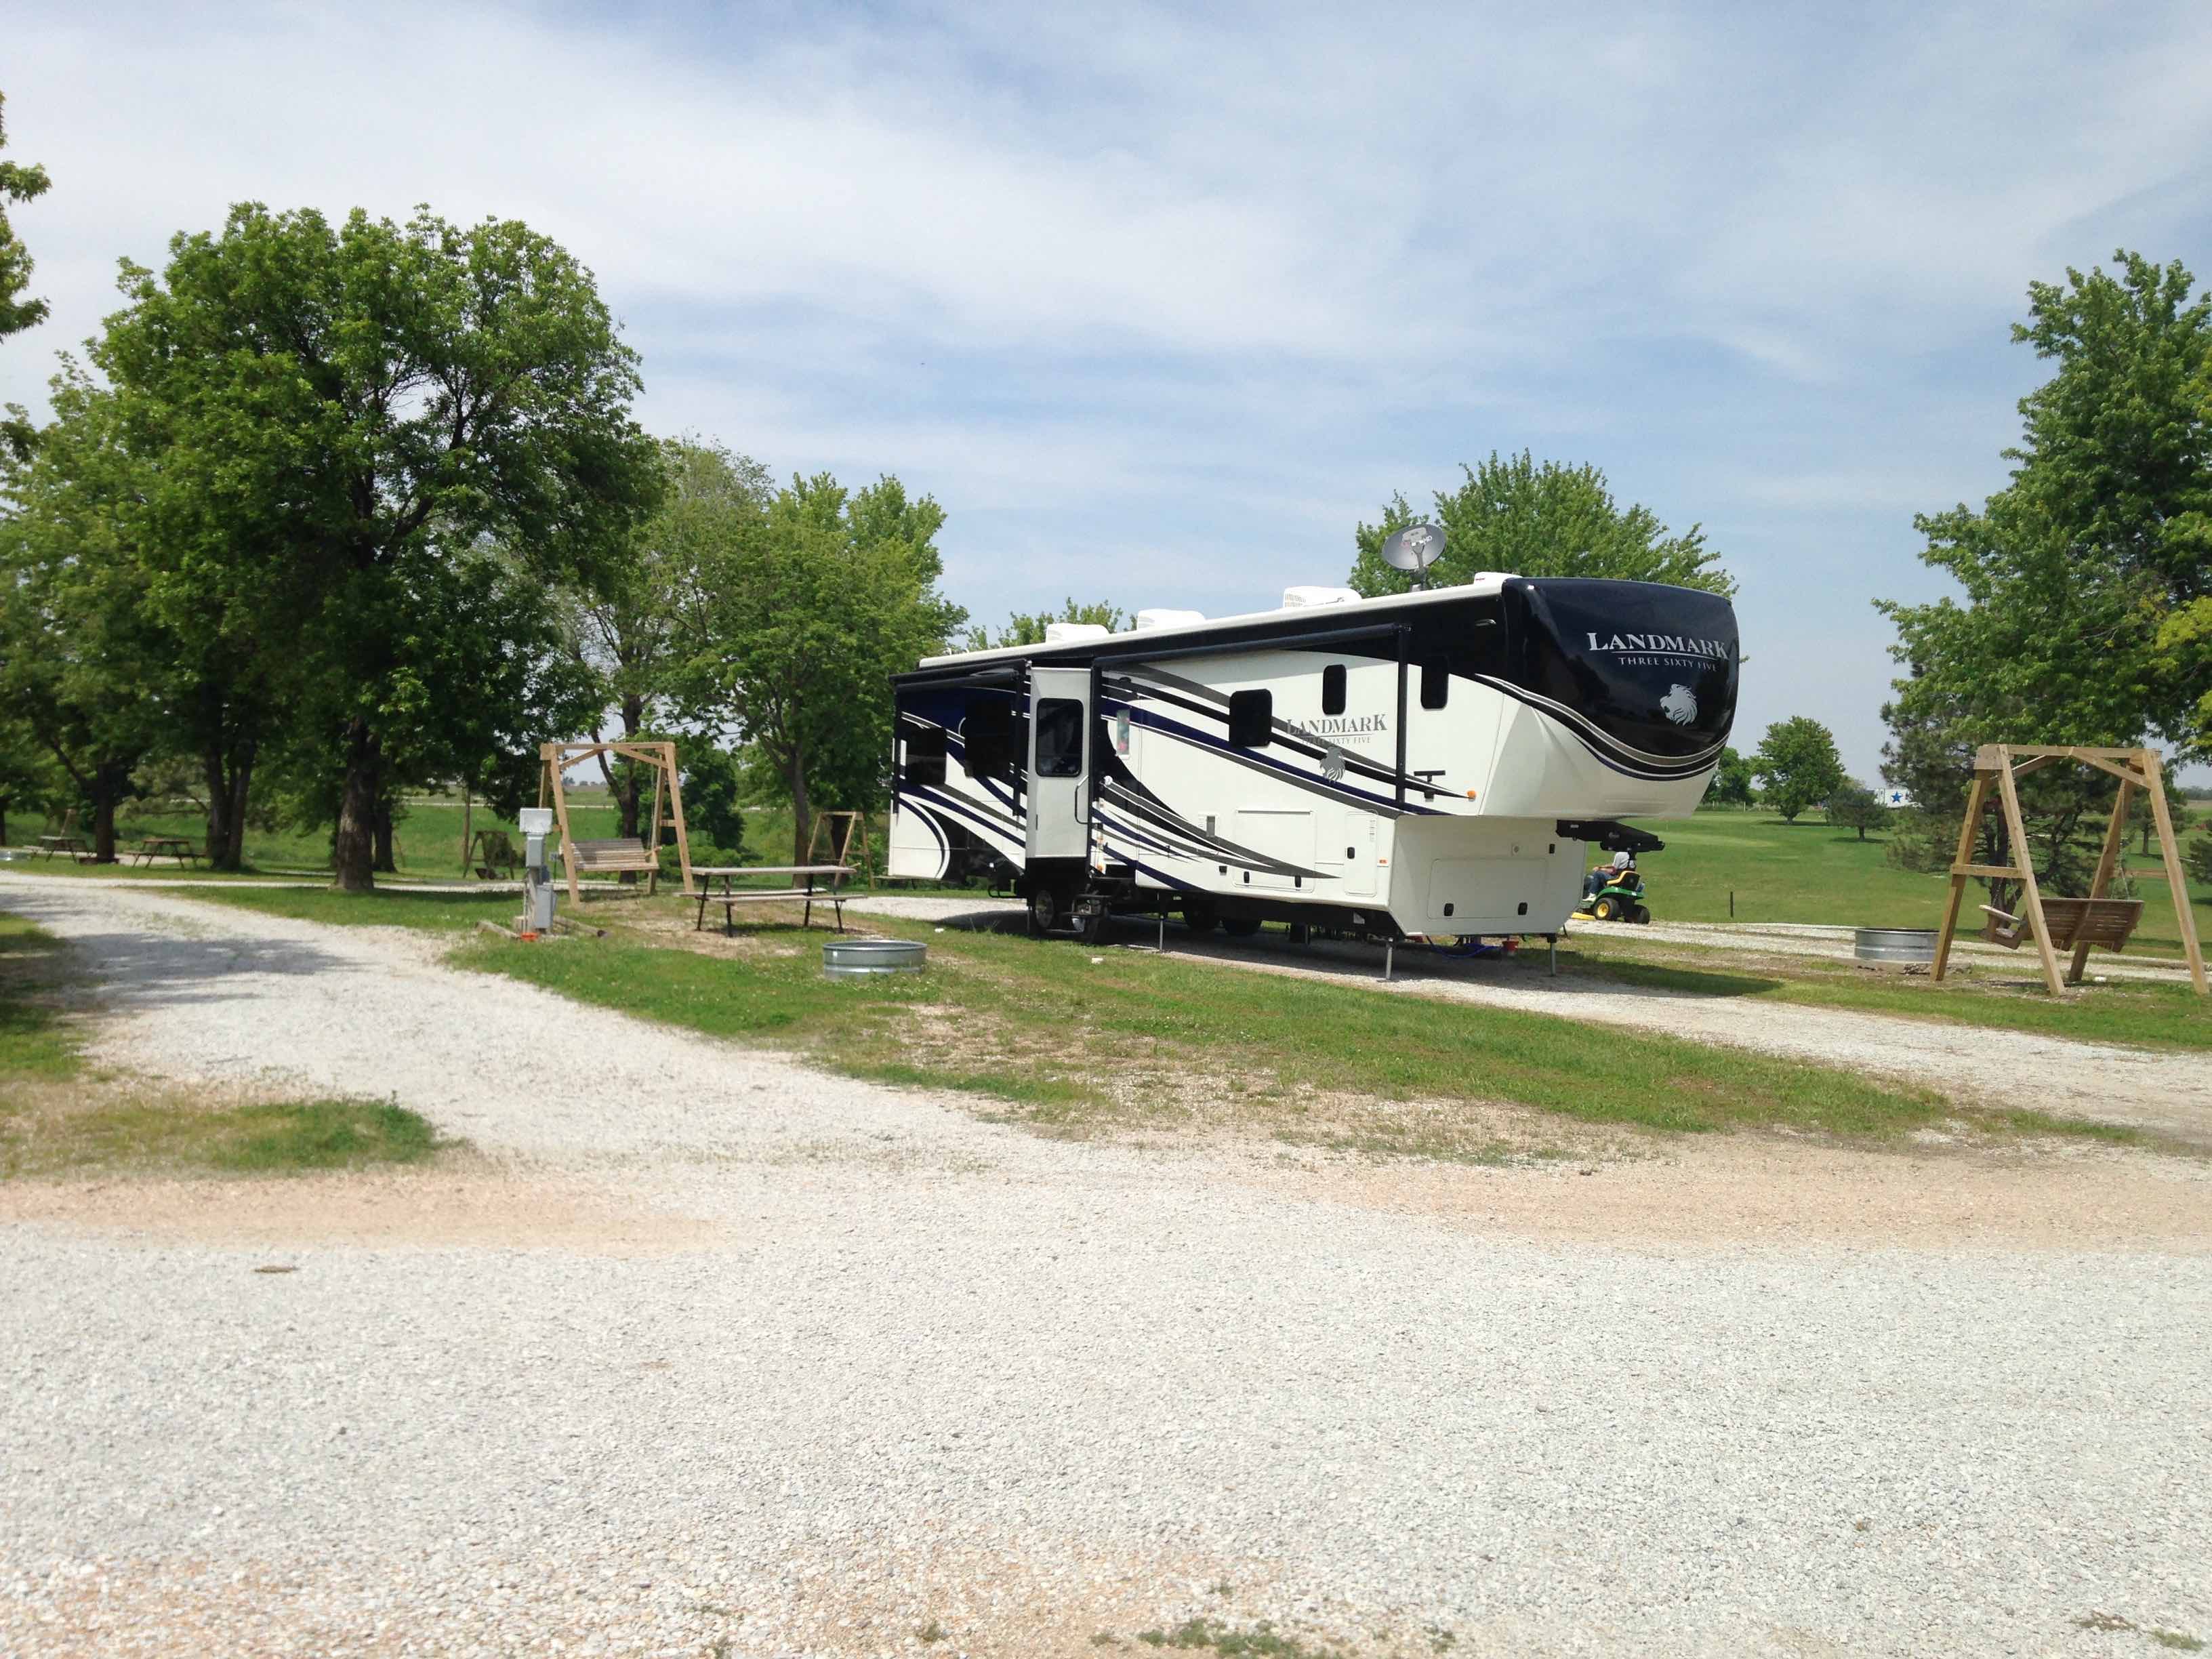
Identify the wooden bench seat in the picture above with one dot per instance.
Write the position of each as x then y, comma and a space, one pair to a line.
614, 852
2108, 923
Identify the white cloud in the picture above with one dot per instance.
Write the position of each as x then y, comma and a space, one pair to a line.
1173, 297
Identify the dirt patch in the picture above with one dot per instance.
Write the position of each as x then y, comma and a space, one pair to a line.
467, 1203
1720, 1190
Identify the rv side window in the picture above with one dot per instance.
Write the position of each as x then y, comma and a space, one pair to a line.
1331, 689
988, 735
1059, 737
1251, 719
925, 756
1435, 682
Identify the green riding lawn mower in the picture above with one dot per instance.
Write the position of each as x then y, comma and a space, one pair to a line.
1618, 897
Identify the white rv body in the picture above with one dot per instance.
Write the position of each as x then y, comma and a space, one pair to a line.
1427, 763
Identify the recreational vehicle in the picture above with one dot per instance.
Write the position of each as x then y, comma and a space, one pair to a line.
1436, 763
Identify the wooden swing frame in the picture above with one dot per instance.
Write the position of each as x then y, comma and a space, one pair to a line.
599, 857
1998, 768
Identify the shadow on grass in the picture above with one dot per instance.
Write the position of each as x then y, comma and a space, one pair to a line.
1693, 981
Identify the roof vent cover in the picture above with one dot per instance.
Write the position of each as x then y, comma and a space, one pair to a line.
1302, 598
1068, 632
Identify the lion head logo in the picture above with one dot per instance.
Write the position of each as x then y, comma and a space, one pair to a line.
1680, 705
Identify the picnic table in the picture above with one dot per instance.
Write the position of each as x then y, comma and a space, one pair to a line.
178, 847
808, 883
54, 846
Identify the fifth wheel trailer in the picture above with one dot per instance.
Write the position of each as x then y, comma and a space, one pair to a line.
1434, 763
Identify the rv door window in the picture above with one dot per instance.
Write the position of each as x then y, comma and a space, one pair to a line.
1059, 737
1435, 682
1331, 689
1251, 719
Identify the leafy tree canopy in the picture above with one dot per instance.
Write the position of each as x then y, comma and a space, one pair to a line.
1797, 765
1022, 629
18, 184
802, 620
1516, 515
382, 448
1731, 781
2086, 580
1855, 807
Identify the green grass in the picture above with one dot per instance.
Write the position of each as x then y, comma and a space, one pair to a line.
1075, 1044
36, 1045
2137, 1012
165, 1136
1813, 873
57, 1115
1263, 1641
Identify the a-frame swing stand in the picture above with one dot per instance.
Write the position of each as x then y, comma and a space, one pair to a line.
2059, 923
620, 853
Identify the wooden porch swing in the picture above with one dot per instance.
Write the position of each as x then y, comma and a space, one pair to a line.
2060, 924
616, 854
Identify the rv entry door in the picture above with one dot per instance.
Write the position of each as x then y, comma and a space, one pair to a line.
1059, 763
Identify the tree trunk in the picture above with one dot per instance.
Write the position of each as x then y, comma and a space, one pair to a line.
3, 821
353, 849
103, 822
232, 854
633, 713
802, 811
386, 860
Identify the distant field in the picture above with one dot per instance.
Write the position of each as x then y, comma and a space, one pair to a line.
1811, 871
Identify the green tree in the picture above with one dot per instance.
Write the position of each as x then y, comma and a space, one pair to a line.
384, 450
18, 184
1797, 765
80, 671
1731, 781
2082, 578
801, 622
1855, 807
1022, 629
631, 631
1529, 519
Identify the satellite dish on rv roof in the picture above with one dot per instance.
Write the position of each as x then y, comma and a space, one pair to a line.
1414, 548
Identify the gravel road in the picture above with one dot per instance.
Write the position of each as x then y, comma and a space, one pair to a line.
901, 1372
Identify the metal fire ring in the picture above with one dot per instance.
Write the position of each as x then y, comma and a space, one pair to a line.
1900, 945
858, 959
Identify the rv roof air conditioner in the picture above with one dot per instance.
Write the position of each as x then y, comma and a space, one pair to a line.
1170, 618
1302, 599
1068, 632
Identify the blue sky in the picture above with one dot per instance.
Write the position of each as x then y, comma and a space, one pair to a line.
1158, 304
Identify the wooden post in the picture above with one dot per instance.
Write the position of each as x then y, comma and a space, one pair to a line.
2177, 879
2114, 833
2016, 827
1978, 800
553, 770
653, 839
676, 809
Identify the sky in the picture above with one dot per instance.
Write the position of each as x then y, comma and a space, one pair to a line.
1159, 304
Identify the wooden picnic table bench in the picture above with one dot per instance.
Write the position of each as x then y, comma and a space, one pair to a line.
54, 846
178, 847
808, 883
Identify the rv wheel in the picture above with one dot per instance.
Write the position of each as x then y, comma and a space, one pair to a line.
1044, 909
1240, 926
1198, 916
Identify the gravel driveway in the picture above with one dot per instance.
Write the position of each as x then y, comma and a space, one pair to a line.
906, 1374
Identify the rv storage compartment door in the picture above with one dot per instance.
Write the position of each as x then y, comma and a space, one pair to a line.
1059, 764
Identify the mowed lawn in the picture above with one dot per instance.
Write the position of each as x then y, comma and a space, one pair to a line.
1811, 871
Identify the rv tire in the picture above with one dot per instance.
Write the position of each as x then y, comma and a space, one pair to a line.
1198, 916
1240, 926
1045, 909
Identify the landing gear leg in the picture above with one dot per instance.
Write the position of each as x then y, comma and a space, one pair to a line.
1390, 957
1552, 939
